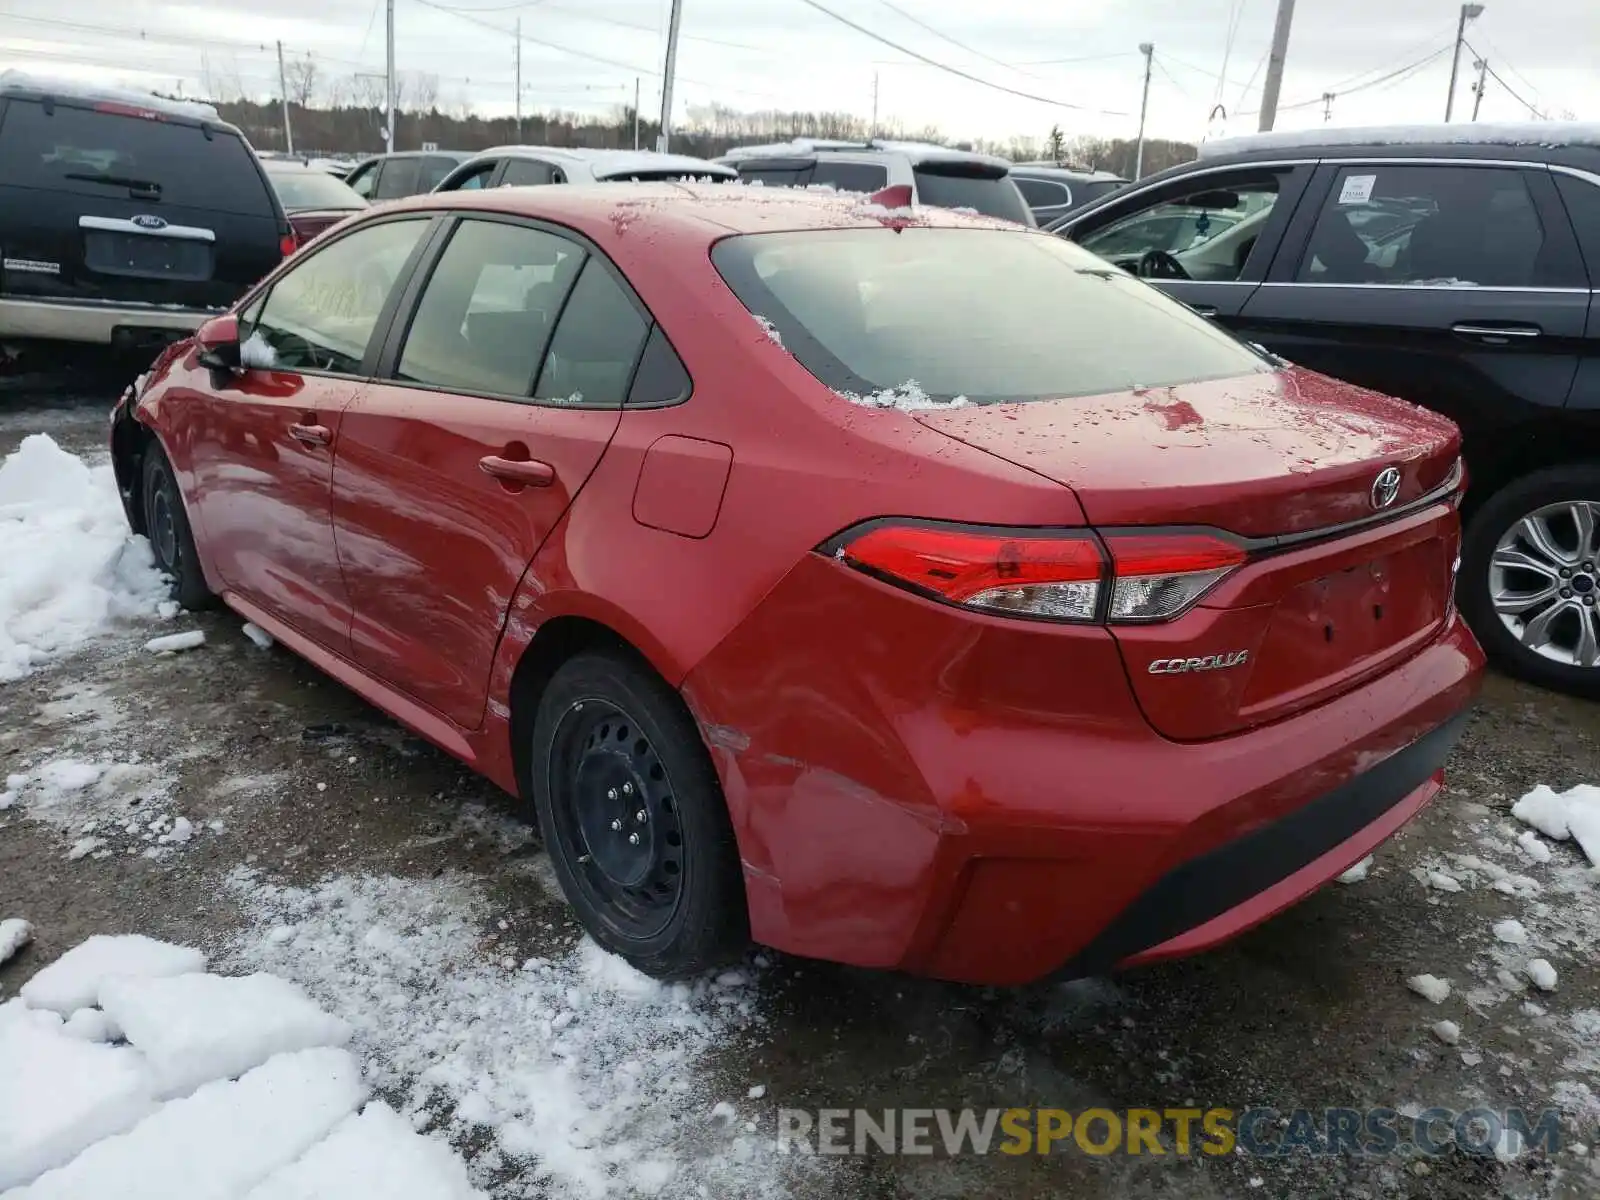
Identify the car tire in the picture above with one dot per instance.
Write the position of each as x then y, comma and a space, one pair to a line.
1515, 548
633, 817
166, 524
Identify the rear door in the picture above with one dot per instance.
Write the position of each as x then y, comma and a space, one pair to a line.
496, 398
1205, 239
1580, 195
400, 177
434, 168
104, 203
1456, 285
264, 440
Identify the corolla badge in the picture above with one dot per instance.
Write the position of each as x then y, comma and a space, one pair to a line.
150, 221
1385, 487
1211, 662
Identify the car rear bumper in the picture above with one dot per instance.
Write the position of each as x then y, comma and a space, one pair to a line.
99, 324
981, 802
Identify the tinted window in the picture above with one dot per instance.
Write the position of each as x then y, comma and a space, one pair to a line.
103, 155
525, 172
850, 177
1444, 226
661, 378
596, 344
320, 315
1210, 232
1583, 206
488, 308
434, 169
990, 315
478, 179
1042, 193
777, 176
304, 189
362, 180
398, 178
1082, 193
994, 196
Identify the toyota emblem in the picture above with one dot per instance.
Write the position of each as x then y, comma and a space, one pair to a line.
148, 221
1386, 487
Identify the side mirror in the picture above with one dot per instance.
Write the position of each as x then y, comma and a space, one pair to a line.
218, 340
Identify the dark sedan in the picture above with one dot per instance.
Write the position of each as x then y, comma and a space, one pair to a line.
314, 199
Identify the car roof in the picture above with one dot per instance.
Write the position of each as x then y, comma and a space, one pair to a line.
1465, 140
1066, 174
706, 212
916, 152
607, 162
290, 165
31, 85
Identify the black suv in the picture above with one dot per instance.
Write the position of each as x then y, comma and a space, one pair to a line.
1053, 190
125, 219
1450, 265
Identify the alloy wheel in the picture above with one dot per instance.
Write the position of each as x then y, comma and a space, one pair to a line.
1544, 582
616, 818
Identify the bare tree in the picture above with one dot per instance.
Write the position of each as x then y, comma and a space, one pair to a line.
422, 88
366, 91
302, 78
220, 81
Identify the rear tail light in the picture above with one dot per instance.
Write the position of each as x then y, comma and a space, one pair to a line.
1059, 577
288, 244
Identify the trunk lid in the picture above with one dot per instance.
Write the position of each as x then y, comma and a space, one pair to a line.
1260, 455
1282, 460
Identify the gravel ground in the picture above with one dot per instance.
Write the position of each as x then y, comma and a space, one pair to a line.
284, 772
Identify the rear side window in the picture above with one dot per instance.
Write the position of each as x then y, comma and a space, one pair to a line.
990, 315
1582, 200
398, 178
1041, 193
1426, 226
526, 172
479, 178
486, 314
90, 153
596, 345
850, 177
661, 377
991, 194
320, 314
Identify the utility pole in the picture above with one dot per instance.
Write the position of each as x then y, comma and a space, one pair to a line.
388, 84
873, 132
1280, 51
1477, 101
666, 78
635, 112
1468, 12
283, 89
1327, 107
1148, 49
519, 80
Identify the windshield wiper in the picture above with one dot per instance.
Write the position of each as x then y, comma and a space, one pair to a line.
133, 185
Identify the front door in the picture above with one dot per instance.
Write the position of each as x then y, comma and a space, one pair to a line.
1204, 239
456, 466
263, 461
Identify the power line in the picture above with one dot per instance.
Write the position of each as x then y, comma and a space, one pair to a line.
1395, 76
463, 10
1082, 58
945, 37
956, 71
1167, 75
1500, 57
1512, 92
1178, 62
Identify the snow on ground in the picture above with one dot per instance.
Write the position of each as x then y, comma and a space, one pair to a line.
265, 1099
15, 933
1561, 815
72, 567
585, 1075
189, 639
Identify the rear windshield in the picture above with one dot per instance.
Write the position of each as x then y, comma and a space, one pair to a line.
992, 195
993, 315
660, 175
313, 189
103, 154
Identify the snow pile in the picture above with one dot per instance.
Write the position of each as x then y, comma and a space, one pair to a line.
15, 933
74, 980
576, 1062
1358, 872
768, 328
908, 397
72, 567
1430, 988
195, 1028
1542, 974
190, 639
1571, 814
262, 639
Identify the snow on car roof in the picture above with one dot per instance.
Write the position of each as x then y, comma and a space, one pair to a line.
915, 151
608, 163
45, 85
1531, 133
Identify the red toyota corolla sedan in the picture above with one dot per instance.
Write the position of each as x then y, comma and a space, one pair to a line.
899, 587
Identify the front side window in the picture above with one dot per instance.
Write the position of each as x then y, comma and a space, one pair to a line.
487, 311
478, 179
596, 345
991, 315
1426, 226
321, 314
399, 178
1206, 234
362, 181
434, 169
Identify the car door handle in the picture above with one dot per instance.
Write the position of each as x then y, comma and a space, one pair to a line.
311, 435
1496, 334
1205, 310
513, 470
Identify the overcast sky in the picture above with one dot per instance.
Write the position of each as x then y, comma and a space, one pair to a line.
787, 54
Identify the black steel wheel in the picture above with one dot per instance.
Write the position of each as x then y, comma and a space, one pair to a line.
167, 525
633, 817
